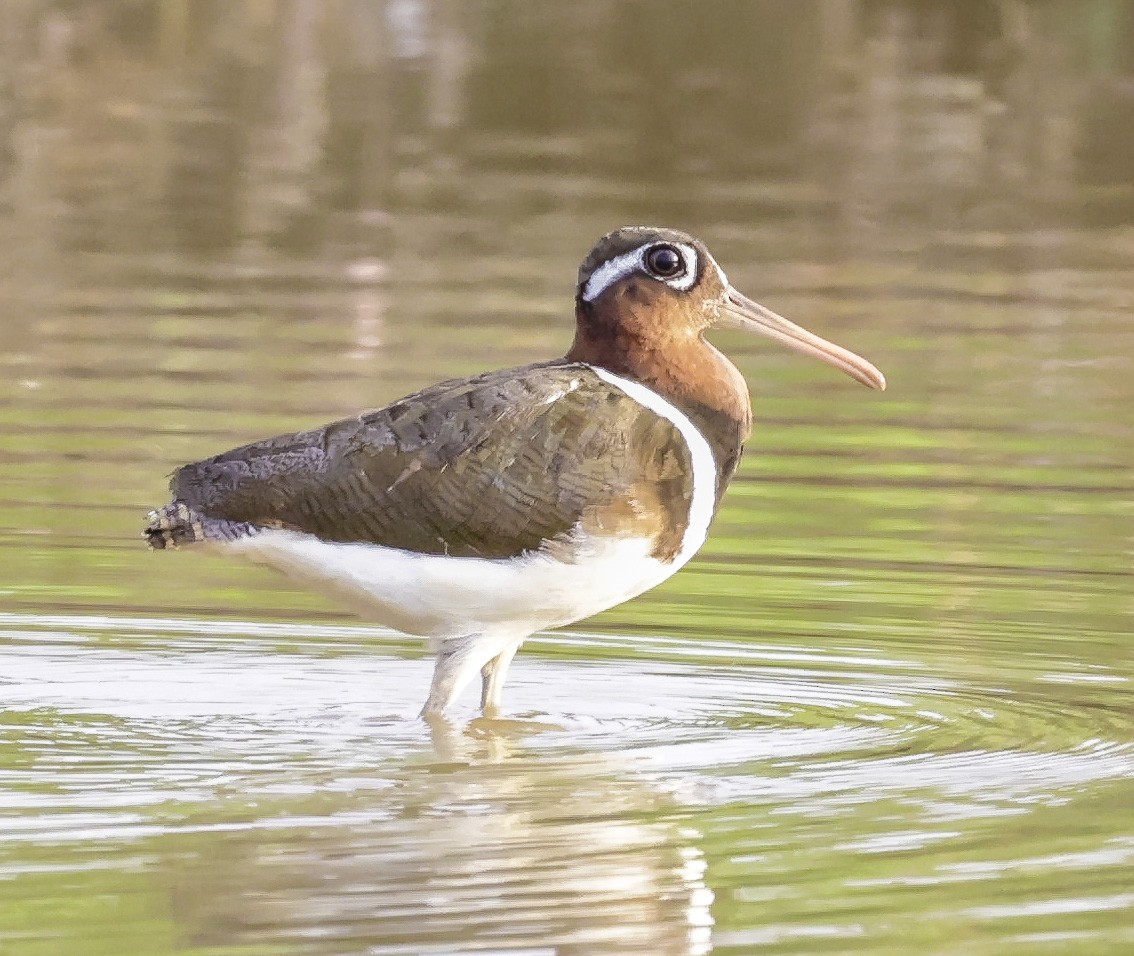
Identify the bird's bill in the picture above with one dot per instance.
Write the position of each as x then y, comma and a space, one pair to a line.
740, 312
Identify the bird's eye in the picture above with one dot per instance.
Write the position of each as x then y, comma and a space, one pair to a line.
665, 262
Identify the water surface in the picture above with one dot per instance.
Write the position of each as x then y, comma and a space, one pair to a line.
888, 709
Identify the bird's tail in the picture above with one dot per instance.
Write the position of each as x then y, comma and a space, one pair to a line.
176, 524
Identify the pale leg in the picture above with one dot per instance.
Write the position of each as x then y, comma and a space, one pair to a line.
492, 677
458, 660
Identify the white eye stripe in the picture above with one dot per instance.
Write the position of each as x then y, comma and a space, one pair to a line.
611, 272
635, 261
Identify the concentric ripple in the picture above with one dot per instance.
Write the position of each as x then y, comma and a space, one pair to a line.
174, 704
647, 789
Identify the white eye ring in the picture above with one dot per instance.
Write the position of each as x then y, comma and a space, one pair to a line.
684, 281
635, 261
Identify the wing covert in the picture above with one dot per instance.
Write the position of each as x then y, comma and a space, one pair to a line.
490, 466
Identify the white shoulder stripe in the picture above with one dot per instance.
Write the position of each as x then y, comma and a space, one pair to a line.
703, 502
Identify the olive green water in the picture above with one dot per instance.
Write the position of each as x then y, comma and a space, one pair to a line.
890, 707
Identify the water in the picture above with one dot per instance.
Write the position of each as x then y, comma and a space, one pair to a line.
888, 709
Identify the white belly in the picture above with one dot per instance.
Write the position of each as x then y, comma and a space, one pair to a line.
440, 597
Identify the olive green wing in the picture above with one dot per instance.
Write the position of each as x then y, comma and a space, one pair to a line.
491, 466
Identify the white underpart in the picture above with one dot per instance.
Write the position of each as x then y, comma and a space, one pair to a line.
635, 261
447, 597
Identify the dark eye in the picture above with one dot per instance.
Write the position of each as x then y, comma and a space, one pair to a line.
665, 262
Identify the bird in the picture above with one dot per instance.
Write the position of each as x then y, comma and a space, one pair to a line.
481, 510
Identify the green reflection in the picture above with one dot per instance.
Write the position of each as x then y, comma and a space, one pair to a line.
887, 709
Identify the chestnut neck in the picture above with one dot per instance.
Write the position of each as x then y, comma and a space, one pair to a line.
661, 345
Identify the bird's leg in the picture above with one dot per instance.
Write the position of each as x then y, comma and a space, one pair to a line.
456, 666
492, 677
458, 660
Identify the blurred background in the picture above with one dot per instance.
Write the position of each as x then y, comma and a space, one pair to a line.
224, 220
887, 709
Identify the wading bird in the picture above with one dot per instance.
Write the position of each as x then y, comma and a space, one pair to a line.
480, 510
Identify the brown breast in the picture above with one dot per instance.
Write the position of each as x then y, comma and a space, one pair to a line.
648, 332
